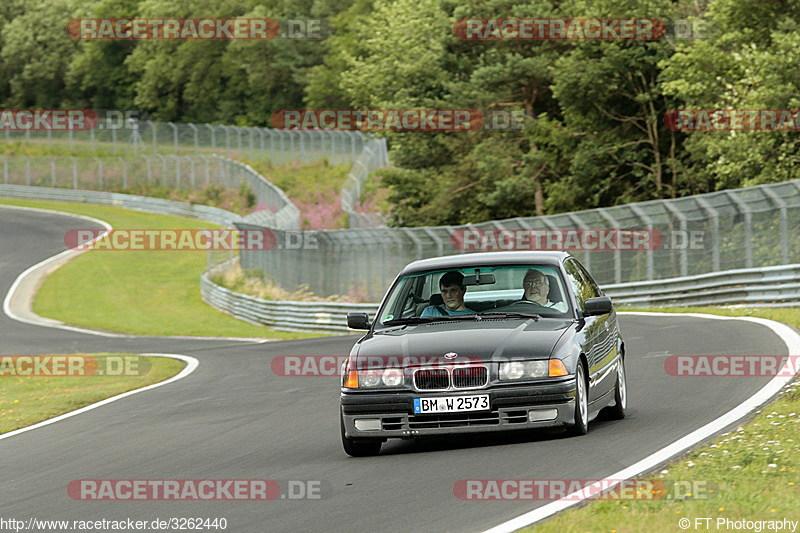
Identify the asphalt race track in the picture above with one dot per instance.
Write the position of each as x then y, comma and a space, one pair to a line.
232, 418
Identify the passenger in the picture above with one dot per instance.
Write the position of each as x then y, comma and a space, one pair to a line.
536, 289
451, 285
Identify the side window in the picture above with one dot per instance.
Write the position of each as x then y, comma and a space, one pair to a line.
588, 278
580, 286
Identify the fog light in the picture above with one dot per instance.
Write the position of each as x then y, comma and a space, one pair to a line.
368, 424
542, 414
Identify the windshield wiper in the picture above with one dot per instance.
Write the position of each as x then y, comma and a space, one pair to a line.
411, 320
472, 316
428, 319
534, 316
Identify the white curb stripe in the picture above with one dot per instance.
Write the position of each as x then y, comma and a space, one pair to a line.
50, 323
191, 365
787, 334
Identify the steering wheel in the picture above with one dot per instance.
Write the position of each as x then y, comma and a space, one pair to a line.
529, 302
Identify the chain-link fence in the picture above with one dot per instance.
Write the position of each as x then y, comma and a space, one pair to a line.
126, 140
135, 137
372, 157
744, 228
132, 173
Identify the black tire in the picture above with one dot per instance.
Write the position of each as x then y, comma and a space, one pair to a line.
581, 425
359, 447
617, 412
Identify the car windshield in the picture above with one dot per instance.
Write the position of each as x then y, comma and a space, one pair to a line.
514, 292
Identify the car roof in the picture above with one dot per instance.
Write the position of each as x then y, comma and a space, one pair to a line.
485, 259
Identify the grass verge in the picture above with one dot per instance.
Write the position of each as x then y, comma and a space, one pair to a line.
315, 189
753, 469
253, 283
137, 292
27, 400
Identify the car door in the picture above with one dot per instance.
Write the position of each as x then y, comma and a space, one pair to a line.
594, 331
607, 340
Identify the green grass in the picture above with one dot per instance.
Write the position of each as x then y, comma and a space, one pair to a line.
27, 400
82, 147
754, 469
142, 293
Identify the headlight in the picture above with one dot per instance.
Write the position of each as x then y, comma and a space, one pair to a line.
536, 369
392, 377
523, 369
512, 370
370, 378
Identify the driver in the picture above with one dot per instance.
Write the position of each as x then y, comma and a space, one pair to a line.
451, 285
536, 289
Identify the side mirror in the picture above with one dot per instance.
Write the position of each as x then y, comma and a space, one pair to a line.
358, 321
597, 306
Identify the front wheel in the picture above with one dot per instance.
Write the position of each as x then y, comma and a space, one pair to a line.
358, 447
620, 393
581, 425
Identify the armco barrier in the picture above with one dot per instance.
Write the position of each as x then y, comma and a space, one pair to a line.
776, 286
184, 172
721, 231
765, 287
373, 156
128, 201
290, 316
768, 286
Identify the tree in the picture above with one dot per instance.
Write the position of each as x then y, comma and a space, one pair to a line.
743, 67
36, 51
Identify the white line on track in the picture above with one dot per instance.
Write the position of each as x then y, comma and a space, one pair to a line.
67, 255
787, 335
191, 365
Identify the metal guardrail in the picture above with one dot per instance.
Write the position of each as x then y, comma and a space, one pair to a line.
712, 232
289, 316
182, 171
373, 156
776, 286
757, 287
766, 287
84, 174
128, 201
278, 210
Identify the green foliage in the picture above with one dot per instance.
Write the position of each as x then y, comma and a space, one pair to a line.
593, 135
35, 52
748, 65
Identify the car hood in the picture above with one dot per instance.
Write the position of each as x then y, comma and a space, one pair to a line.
488, 339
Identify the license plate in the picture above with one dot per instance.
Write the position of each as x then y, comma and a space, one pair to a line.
451, 404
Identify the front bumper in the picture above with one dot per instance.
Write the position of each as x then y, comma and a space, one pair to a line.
509, 410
